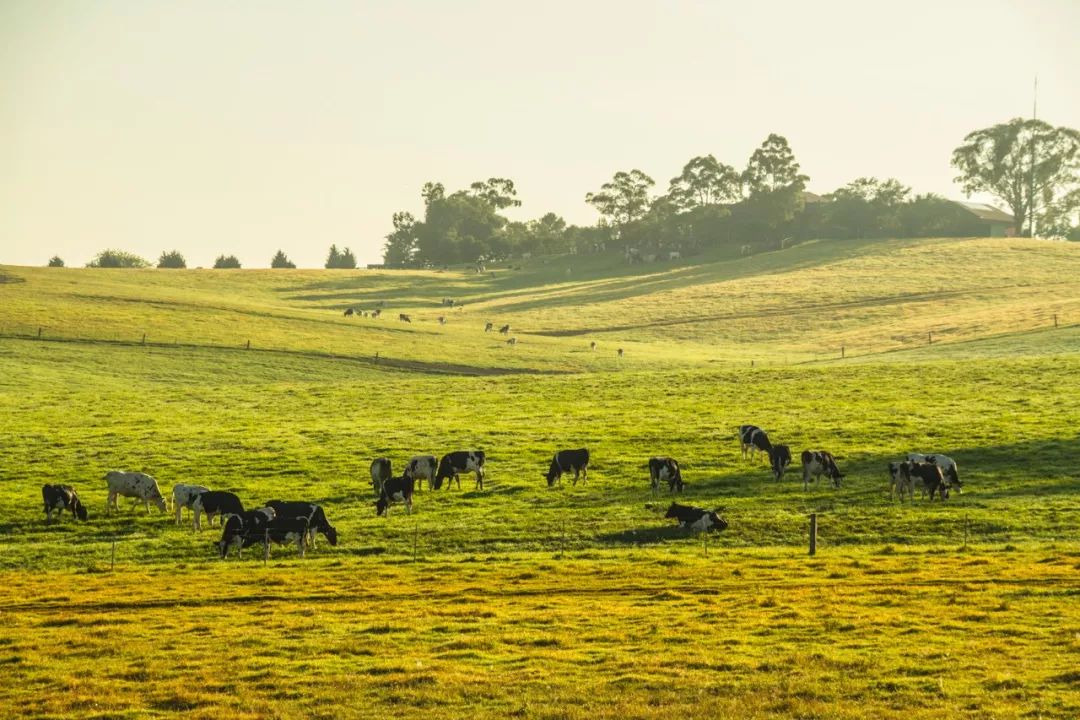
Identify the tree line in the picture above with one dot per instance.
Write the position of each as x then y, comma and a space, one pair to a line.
174, 259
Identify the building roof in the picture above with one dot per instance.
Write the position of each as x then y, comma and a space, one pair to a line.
987, 212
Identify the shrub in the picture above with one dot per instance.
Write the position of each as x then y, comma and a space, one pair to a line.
56, 261
281, 261
225, 262
117, 259
172, 260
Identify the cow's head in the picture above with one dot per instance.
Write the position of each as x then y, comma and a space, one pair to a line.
331, 535
79, 509
160, 502
836, 478
719, 524
673, 511
554, 472
381, 504
954, 480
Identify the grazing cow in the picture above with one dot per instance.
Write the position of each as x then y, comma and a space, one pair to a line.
946, 463
817, 463
244, 530
422, 467
376, 313
380, 473
215, 502
505, 329
349, 312
696, 519
620, 353
674, 255
592, 346
404, 318
900, 480
576, 461
442, 319
779, 459
134, 485
752, 438
399, 489
183, 497
526, 256
488, 327
745, 250
312, 515
453, 464
933, 480
62, 497
665, 469
512, 341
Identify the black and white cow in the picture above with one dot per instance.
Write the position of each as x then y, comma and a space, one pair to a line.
505, 329
215, 502
665, 469
183, 497
61, 498
420, 468
696, 519
488, 327
244, 530
779, 459
946, 463
752, 438
380, 473
900, 480
564, 461
932, 480
134, 485
310, 513
349, 312
816, 463
394, 490
453, 464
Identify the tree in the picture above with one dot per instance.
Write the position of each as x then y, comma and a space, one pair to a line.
772, 168
281, 261
624, 199
333, 258
498, 192
226, 262
117, 259
867, 207
400, 246
56, 261
1029, 165
172, 259
347, 261
704, 182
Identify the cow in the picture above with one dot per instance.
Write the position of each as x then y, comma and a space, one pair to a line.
488, 327
61, 498
380, 473
674, 255
746, 250
134, 485
619, 354
183, 496
564, 461
399, 489
526, 256
442, 319
947, 465
817, 463
404, 318
665, 469
422, 467
215, 502
751, 439
512, 341
933, 480
244, 530
453, 464
696, 519
376, 313
349, 312
505, 329
312, 515
900, 480
592, 346
779, 459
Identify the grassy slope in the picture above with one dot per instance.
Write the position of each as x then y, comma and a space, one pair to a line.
305, 422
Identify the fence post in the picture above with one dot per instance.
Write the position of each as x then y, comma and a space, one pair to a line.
144, 338
929, 338
112, 557
1055, 320
39, 333
965, 531
751, 363
415, 538
266, 546
248, 344
813, 533
842, 351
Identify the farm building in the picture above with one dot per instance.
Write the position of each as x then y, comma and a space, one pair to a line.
988, 221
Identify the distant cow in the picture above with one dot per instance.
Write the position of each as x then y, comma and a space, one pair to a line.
61, 498
665, 469
512, 341
751, 439
592, 345
312, 515
422, 467
505, 329
183, 497
620, 353
746, 250
244, 530
215, 502
453, 464
816, 463
674, 255
134, 485
376, 313
380, 473
932, 480
575, 461
488, 327
404, 318
946, 463
442, 319
349, 312
696, 519
779, 459
399, 489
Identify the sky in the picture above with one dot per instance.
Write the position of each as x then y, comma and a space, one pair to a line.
243, 127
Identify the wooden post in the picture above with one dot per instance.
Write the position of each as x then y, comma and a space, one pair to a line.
842, 351
965, 531
705, 543
813, 533
144, 338
248, 344
266, 547
751, 363
929, 338
415, 538
376, 356
112, 558
1055, 320
39, 333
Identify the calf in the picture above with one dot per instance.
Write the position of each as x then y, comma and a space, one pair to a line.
399, 489
376, 313
62, 497
453, 464
947, 465
817, 463
349, 312
696, 518
380, 473
283, 531
183, 497
933, 480
422, 467
505, 329
751, 439
779, 459
512, 341
310, 513
900, 480
592, 346
134, 485
404, 318
215, 502
565, 461
442, 319
665, 469
244, 530
620, 353
488, 327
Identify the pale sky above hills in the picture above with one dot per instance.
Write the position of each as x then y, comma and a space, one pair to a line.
244, 127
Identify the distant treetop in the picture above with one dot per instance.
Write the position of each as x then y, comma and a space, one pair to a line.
282, 261
117, 259
226, 262
56, 261
172, 259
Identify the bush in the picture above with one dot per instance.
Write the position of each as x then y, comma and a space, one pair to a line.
226, 262
117, 259
172, 260
56, 261
340, 260
281, 261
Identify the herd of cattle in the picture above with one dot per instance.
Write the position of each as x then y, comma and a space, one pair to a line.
288, 522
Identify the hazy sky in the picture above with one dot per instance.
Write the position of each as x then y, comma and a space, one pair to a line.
241, 127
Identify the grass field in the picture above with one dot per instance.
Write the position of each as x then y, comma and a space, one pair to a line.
526, 601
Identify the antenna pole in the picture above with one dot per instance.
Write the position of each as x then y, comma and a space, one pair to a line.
1031, 180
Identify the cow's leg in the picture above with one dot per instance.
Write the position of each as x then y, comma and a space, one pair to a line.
408, 505
457, 478
301, 545
197, 525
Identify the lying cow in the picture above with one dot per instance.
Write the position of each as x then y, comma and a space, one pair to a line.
134, 485
453, 464
946, 463
183, 497
380, 473
312, 515
61, 498
576, 461
665, 469
751, 439
779, 459
399, 489
696, 519
816, 463
215, 502
420, 468
244, 530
